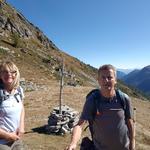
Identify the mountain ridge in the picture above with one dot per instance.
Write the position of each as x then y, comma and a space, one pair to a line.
140, 79
28, 43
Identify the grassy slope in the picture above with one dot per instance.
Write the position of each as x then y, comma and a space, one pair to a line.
40, 103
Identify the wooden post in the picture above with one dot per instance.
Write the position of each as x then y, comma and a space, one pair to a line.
61, 87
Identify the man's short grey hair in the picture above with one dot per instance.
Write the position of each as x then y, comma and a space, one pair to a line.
107, 67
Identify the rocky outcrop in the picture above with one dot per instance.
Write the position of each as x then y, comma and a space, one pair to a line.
12, 21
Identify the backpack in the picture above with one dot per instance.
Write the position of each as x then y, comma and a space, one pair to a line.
97, 96
4, 97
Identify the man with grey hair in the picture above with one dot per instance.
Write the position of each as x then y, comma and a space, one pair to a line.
110, 121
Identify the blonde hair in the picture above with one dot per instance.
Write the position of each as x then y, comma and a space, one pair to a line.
12, 67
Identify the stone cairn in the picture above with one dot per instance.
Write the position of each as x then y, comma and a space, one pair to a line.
62, 123
63, 118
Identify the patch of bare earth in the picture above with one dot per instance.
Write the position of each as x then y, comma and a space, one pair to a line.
39, 104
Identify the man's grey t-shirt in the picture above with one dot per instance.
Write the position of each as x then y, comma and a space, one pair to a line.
110, 131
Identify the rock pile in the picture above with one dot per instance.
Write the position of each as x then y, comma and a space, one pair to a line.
62, 123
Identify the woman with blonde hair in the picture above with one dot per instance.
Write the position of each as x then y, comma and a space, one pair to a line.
11, 107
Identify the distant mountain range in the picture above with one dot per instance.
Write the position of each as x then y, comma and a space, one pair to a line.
126, 71
139, 79
123, 72
120, 74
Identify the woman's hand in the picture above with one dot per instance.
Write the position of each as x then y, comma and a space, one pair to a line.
9, 136
20, 132
12, 136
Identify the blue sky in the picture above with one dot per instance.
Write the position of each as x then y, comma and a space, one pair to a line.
95, 31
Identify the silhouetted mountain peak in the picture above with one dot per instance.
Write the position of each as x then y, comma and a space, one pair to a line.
146, 69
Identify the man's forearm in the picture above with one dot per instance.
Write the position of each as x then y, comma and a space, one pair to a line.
76, 135
131, 133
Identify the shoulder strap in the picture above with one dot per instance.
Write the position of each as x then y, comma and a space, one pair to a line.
1, 93
122, 98
3, 96
95, 93
18, 93
96, 98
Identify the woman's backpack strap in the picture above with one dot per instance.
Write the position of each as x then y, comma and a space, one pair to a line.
19, 92
4, 97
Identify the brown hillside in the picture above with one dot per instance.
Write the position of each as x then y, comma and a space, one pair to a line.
26, 44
